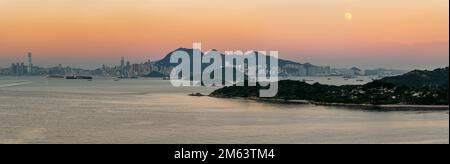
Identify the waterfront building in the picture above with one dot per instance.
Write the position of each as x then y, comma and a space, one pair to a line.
30, 64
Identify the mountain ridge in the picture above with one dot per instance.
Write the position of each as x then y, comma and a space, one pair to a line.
166, 59
286, 67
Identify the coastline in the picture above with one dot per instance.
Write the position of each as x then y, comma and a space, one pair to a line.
390, 107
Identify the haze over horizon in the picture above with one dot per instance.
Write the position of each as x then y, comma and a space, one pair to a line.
404, 34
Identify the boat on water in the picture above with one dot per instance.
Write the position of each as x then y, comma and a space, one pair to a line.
79, 77
71, 77
54, 77
131, 77
360, 80
85, 77
196, 94
349, 76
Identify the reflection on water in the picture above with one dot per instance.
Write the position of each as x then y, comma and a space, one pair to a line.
39, 110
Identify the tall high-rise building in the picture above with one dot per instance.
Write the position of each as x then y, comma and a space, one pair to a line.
30, 64
13, 69
122, 62
22, 69
18, 69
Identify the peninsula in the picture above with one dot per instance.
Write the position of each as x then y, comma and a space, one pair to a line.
413, 89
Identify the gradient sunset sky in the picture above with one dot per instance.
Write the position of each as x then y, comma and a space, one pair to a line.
405, 34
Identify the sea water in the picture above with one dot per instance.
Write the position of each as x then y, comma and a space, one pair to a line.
41, 110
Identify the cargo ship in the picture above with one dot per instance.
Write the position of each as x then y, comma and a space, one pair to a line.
79, 77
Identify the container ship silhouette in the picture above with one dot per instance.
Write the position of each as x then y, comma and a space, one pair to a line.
74, 77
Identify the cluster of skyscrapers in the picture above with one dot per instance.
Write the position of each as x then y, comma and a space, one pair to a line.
21, 69
28, 69
128, 70
124, 70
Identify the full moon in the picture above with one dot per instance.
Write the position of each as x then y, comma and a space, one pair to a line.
348, 16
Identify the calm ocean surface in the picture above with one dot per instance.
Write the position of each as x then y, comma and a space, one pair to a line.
40, 110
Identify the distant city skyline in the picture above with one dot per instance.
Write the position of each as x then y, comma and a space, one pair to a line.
114, 61
163, 68
403, 34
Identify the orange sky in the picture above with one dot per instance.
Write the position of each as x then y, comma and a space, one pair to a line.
382, 33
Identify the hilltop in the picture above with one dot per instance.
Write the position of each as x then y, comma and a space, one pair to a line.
413, 88
286, 67
419, 78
